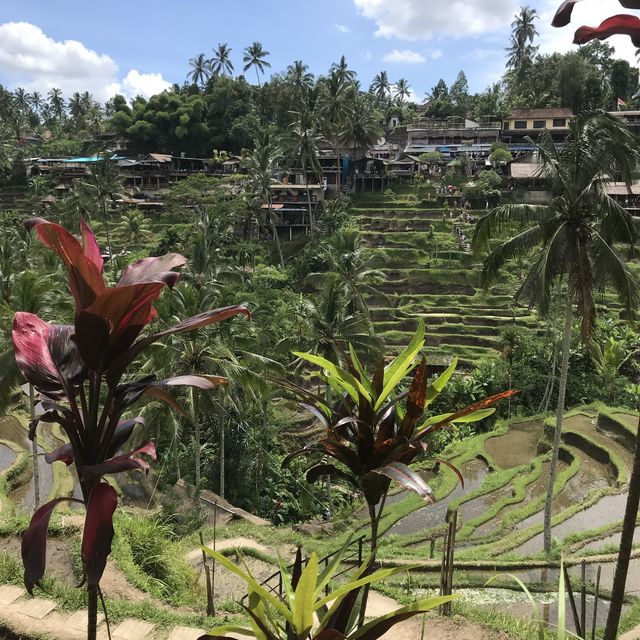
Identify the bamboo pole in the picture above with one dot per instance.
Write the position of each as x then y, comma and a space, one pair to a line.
594, 622
583, 598
207, 578
572, 602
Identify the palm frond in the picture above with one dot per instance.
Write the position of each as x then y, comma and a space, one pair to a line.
506, 216
608, 266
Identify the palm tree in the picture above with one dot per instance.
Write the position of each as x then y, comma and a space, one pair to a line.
200, 70
361, 127
133, 229
221, 63
402, 89
352, 263
521, 49
300, 78
56, 102
341, 69
254, 56
22, 99
36, 102
575, 235
381, 86
102, 185
305, 139
263, 164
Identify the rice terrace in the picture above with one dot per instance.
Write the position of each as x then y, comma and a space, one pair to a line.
303, 349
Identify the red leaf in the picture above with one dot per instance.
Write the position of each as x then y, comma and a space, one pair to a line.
45, 353
34, 543
167, 398
125, 462
453, 468
200, 381
122, 433
90, 246
563, 15
63, 454
620, 24
85, 279
476, 406
98, 531
408, 478
158, 269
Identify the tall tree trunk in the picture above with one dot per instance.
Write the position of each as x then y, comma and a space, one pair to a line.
106, 230
222, 461
34, 452
196, 429
306, 182
557, 435
626, 543
276, 238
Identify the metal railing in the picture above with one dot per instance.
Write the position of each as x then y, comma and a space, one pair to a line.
357, 553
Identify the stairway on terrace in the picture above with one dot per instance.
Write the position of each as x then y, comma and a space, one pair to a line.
430, 273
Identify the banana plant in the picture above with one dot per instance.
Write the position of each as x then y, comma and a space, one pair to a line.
306, 611
375, 429
621, 24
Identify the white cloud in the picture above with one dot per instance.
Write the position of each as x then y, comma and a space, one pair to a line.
144, 84
37, 62
406, 56
584, 13
342, 28
422, 19
435, 54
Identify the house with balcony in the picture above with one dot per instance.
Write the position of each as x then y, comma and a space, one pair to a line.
521, 124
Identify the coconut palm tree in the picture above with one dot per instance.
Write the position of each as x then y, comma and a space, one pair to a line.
402, 90
300, 79
304, 141
22, 99
574, 237
221, 63
380, 86
102, 185
56, 102
133, 229
523, 32
254, 56
200, 70
36, 101
349, 260
263, 164
361, 128
341, 69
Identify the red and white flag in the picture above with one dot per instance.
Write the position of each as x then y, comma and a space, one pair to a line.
621, 103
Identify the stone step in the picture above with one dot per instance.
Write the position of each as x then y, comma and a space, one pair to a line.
9, 594
37, 608
131, 629
186, 633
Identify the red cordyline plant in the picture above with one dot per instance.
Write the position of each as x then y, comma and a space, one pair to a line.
78, 372
622, 24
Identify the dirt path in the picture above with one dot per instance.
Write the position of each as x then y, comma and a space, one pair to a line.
195, 555
634, 634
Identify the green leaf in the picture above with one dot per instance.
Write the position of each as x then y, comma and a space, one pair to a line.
286, 580
330, 569
401, 366
253, 584
229, 628
343, 378
303, 599
360, 369
434, 389
476, 416
380, 625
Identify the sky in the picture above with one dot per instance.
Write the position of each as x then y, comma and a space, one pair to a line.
142, 47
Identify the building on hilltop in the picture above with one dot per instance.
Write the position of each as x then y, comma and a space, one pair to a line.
529, 123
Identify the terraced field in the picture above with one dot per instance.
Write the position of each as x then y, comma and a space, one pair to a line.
428, 273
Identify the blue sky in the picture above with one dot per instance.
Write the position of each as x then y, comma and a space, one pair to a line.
140, 47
